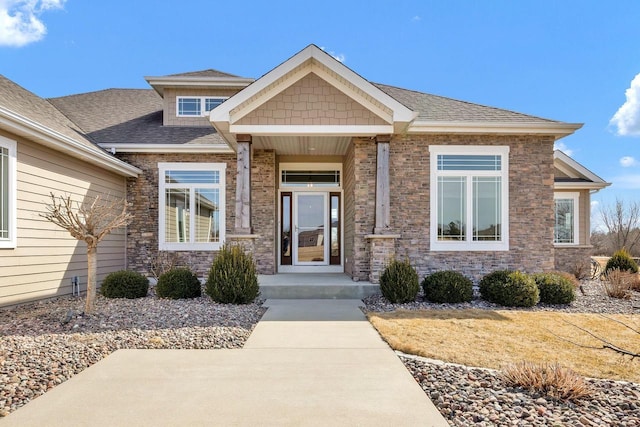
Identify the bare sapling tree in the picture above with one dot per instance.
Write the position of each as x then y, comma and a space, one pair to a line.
604, 343
621, 222
90, 222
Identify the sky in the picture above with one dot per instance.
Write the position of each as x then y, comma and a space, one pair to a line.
573, 61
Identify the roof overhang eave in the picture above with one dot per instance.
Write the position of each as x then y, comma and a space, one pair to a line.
27, 128
160, 83
166, 148
556, 129
595, 186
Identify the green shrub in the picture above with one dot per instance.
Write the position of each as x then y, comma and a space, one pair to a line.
517, 290
178, 283
554, 288
492, 282
447, 286
621, 260
399, 282
232, 277
125, 284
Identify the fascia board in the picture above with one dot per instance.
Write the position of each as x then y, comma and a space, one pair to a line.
28, 128
556, 129
167, 148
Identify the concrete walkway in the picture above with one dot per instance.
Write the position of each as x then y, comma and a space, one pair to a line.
307, 363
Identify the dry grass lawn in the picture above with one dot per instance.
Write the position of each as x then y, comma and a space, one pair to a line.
493, 339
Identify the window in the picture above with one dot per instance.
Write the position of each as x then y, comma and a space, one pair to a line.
192, 106
8, 227
469, 198
566, 218
192, 206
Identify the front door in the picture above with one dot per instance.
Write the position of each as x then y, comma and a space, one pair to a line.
310, 231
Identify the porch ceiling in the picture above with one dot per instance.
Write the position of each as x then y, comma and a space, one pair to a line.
303, 145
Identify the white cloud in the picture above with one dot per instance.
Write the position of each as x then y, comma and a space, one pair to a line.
340, 57
563, 147
630, 182
628, 161
416, 18
20, 22
627, 118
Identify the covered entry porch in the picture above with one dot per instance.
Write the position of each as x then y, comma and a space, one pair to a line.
315, 113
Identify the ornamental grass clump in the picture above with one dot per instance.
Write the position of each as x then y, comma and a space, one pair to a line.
399, 282
125, 284
550, 379
447, 287
511, 289
233, 278
554, 288
178, 283
618, 283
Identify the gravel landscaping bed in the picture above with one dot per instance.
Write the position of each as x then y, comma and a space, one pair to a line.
477, 396
45, 343
473, 396
590, 299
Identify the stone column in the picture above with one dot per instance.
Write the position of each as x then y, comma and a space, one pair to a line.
243, 186
382, 244
383, 213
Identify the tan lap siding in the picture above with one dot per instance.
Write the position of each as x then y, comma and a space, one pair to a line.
47, 257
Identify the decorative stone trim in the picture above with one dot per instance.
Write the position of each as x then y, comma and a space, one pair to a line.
382, 236
242, 236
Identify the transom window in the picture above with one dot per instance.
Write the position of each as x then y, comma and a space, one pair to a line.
566, 218
192, 206
310, 178
469, 198
196, 106
8, 227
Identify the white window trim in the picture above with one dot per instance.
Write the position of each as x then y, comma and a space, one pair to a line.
162, 244
202, 104
12, 241
469, 245
575, 196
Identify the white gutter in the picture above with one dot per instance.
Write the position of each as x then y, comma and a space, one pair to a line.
166, 148
557, 129
23, 126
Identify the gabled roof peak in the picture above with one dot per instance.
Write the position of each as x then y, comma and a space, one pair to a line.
209, 72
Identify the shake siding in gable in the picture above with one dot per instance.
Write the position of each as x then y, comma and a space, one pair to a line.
47, 257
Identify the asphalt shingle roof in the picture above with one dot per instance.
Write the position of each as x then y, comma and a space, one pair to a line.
129, 116
203, 73
18, 100
438, 108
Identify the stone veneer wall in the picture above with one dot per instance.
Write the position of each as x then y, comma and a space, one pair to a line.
364, 190
530, 205
348, 186
573, 260
142, 193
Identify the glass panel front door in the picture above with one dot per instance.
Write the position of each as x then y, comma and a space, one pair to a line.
310, 228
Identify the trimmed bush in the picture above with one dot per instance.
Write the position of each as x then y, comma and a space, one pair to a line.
232, 277
447, 287
621, 260
518, 290
554, 288
125, 284
178, 283
492, 282
399, 282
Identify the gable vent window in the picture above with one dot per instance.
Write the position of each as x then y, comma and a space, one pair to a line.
196, 106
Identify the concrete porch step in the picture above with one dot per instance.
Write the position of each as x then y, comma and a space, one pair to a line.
314, 286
